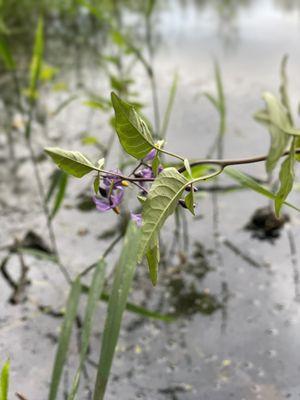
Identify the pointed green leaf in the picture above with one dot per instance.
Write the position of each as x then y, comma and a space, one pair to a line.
160, 204
286, 177
72, 162
62, 185
96, 184
95, 291
276, 118
37, 59
189, 201
153, 257
117, 302
188, 168
64, 338
246, 181
6, 55
132, 130
4, 381
156, 164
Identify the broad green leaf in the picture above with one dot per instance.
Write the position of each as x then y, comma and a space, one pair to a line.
160, 204
6, 55
286, 177
153, 257
64, 338
72, 162
132, 130
200, 170
117, 302
4, 381
189, 201
37, 60
246, 181
276, 118
95, 291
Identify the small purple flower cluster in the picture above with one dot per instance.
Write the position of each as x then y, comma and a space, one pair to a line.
112, 190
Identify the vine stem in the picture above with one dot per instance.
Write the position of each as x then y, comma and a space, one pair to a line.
239, 161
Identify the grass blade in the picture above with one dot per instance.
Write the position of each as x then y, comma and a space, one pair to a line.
136, 309
60, 195
117, 303
246, 181
37, 59
64, 338
4, 381
167, 115
93, 297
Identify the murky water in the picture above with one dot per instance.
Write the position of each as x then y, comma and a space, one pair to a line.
237, 334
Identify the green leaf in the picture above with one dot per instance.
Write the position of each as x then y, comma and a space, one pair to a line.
95, 291
62, 185
156, 164
132, 130
117, 302
167, 115
201, 170
189, 201
64, 338
136, 309
36, 61
153, 257
276, 118
284, 89
72, 162
247, 181
96, 184
187, 167
286, 177
4, 381
160, 204
6, 54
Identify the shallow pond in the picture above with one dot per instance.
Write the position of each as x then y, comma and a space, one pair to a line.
237, 331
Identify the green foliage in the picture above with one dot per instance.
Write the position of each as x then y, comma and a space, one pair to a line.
153, 257
219, 101
36, 61
58, 183
161, 202
64, 338
248, 182
117, 302
133, 132
94, 291
171, 99
189, 201
276, 118
72, 162
6, 55
286, 177
4, 381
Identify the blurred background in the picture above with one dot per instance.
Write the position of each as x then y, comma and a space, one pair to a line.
230, 275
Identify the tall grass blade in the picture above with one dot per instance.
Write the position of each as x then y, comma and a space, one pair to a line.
36, 61
4, 381
93, 297
64, 338
117, 303
167, 115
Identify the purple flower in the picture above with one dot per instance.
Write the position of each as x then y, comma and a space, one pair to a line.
150, 156
113, 181
112, 193
109, 203
137, 218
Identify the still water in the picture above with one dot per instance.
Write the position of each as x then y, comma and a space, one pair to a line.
237, 335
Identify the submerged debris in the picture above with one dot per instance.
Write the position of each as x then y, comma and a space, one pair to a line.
265, 225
